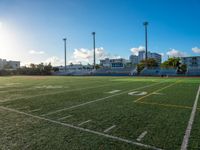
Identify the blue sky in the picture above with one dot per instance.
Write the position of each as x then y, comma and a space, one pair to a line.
32, 30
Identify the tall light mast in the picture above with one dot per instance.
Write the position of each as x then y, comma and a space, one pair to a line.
65, 56
146, 39
94, 47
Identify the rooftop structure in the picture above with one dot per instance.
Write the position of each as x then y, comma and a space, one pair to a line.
113, 63
4, 64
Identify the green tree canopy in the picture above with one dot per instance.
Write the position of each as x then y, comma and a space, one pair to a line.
149, 63
171, 63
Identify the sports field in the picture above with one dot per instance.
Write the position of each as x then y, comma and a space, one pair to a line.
104, 113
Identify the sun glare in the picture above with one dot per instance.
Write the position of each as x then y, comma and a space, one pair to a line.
7, 36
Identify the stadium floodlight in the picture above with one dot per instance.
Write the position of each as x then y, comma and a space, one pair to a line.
94, 43
65, 43
146, 46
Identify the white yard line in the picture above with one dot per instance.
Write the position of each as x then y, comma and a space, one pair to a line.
156, 93
50, 93
83, 129
82, 123
100, 99
160, 89
190, 123
25, 107
34, 110
110, 128
53, 93
65, 117
114, 91
141, 136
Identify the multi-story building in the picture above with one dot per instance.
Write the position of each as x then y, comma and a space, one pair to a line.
113, 63
193, 65
4, 64
133, 59
191, 62
75, 67
156, 56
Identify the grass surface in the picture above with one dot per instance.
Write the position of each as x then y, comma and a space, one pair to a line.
32, 111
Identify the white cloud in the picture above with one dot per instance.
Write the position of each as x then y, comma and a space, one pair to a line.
81, 55
196, 50
1, 24
176, 53
162, 54
86, 55
55, 61
36, 52
135, 50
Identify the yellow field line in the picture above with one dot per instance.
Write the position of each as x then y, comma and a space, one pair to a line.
156, 91
167, 105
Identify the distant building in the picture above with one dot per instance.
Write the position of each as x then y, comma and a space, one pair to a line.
193, 65
134, 59
75, 67
141, 56
4, 64
156, 56
113, 63
191, 62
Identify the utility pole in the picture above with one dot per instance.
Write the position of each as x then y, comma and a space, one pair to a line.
94, 47
65, 39
146, 40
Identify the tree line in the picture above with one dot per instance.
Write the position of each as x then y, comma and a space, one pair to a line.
32, 69
173, 63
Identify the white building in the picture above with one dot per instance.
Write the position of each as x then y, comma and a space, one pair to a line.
191, 62
113, 63
134, 59
193, 65
156, 56
75, 67
4, 64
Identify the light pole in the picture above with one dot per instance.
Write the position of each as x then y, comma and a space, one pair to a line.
146, 40
94, 42
65, 39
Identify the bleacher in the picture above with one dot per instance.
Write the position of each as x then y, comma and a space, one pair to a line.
113, 72
150, 72
158, 72
195, 71
168, 72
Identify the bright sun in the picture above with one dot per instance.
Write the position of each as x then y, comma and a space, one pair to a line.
6, 38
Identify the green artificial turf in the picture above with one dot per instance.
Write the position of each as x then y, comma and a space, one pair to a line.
32, 108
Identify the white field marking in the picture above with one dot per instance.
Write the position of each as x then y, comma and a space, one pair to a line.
34, 110
114, 91
50, 87
141, 136
65, 117
156, 93
137, 93
83, 129
51, 93
165, 87
35, 88
93, 101
82, 123
190, 123
9, 85
110, 128
32, 88
25, 107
